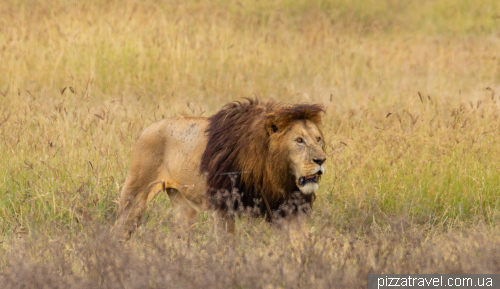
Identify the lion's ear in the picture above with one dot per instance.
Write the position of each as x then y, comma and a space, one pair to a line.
271, 126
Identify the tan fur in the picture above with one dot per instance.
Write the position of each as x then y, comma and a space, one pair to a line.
172, 155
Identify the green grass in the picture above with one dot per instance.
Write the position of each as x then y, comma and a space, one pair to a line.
412, 129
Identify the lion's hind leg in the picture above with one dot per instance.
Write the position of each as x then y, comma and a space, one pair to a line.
184, 213
134, 200
132, 206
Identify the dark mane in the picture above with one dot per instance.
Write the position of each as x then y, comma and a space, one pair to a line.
243, 160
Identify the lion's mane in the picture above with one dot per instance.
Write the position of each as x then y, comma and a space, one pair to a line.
244, 157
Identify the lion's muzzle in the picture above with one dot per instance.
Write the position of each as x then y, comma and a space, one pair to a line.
309, 184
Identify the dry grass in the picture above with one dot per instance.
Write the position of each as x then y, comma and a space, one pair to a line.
326, 259
413, 173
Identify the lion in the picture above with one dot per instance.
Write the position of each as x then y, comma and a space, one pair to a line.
263, 157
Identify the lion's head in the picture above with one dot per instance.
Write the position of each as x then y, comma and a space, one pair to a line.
269, 150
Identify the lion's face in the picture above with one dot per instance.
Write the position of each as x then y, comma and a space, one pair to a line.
305, 145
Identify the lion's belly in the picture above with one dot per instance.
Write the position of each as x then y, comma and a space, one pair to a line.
185, 142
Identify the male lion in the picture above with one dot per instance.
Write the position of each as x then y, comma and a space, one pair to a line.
263, 157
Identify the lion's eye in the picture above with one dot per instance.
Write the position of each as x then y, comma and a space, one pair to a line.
318, 138
299, 140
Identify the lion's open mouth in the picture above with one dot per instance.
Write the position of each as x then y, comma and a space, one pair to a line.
309, 179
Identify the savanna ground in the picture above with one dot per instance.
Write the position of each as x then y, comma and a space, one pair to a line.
412, 123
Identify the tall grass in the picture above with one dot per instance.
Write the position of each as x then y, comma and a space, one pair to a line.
411, 90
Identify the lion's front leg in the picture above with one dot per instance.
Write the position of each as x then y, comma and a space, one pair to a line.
224, 226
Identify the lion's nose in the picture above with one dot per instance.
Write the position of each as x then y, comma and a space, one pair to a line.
319, 161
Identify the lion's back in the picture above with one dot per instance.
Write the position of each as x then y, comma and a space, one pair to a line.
171, 147
183, 139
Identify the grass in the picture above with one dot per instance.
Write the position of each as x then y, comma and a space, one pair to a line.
411, 92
